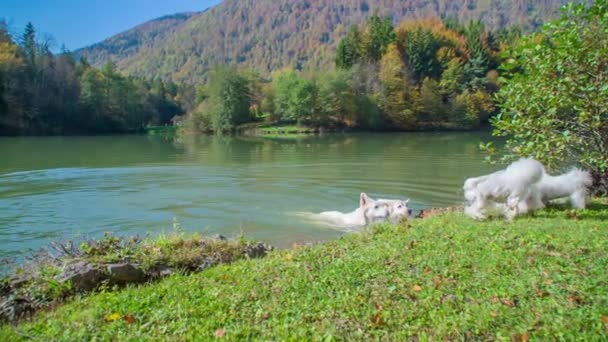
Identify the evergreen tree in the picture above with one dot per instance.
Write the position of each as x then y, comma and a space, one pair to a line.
380, 33
349, 49
28, 42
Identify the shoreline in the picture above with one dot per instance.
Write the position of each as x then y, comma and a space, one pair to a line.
78, 268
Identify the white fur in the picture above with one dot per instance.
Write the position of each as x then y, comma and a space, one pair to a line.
368, 212
509, 186
572, 184
398, 209
470, 185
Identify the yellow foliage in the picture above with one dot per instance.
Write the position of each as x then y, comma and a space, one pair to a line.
9, 59
438, 29
395, 91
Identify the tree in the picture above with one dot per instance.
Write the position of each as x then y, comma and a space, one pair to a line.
380, 34
349, 49
295, 97
229, 99
431, 101
93, 100
452, 78
336, 99
420, 47
12, 118
395, 90
554, 102
28, 41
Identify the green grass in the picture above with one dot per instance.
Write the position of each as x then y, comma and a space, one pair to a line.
445, 277
276, 130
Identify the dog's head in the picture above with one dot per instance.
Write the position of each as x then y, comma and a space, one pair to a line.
374, 211
398, 209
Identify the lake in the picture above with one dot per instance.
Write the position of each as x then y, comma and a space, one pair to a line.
54, 188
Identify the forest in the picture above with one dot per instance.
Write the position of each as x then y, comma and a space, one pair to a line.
422, 74
46, 93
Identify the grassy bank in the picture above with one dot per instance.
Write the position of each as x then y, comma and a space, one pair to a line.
444, 277
56, 274
279, 130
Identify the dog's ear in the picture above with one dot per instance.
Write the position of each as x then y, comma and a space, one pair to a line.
407, 201
363, 200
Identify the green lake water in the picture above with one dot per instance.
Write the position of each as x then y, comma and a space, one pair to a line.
54, 188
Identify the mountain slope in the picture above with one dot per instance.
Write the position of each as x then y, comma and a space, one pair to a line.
271, 34
123, 46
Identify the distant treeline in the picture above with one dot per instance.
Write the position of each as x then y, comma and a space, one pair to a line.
44, 93
422, 74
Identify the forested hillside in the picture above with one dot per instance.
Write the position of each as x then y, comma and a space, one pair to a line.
129, 43
271, 34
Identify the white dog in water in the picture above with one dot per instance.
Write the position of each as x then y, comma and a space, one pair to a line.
506, 191
369, 212
398, 209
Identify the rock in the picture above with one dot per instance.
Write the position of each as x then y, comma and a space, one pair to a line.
206, 264
166, 272
82, 275
125, 273
159, 271
257, 250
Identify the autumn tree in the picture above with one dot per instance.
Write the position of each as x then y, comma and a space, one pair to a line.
395, 99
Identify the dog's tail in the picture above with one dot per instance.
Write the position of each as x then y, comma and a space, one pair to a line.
526, 171
581, 176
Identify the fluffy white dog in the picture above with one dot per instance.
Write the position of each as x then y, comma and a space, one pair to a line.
573, 184
506, 190
398, 209
368, 212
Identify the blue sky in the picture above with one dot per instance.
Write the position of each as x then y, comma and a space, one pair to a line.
78, 23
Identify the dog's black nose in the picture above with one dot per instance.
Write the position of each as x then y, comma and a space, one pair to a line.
409, 211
